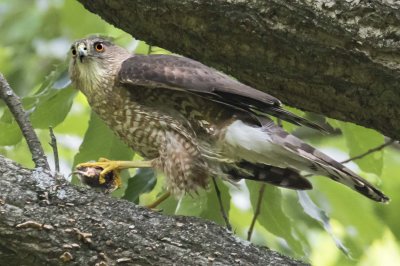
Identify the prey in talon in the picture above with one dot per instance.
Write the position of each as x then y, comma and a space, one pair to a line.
105, 174
91, 176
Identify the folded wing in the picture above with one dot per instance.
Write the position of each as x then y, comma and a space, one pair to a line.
181, 73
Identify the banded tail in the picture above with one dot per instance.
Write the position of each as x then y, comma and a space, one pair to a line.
268, 148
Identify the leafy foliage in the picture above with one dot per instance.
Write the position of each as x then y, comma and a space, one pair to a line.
142, 182
10, 133
273, 217
36, 36
359, 140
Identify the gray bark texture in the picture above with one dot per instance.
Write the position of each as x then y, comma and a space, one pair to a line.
44, 221
336, 58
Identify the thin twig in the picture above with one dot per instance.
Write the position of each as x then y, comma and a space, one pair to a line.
259, 200
222, 209
257, 211
279, 122
53, 145
378, 148
362, 155
14, 104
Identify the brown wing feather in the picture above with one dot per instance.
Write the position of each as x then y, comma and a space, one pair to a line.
181, 73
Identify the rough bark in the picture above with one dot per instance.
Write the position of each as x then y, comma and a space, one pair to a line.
41, 219
337, 58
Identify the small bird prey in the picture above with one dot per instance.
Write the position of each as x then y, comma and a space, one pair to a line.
193, 123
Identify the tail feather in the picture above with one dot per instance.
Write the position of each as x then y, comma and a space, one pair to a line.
273, 153
281, 177
340, 173
319, 163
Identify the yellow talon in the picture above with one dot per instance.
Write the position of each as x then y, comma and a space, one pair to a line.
104, 164
105, 173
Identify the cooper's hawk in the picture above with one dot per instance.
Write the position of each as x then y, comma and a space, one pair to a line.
192, 122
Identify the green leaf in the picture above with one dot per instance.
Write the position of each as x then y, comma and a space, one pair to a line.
354, 212
54, 109
5, 58
77, 22
213, 209
192, 205
312, 210
158, 50
75, 124
391, 186
48, 107
57, 79
360, 140
142, 182
168, 206
10, 134
272, 216
205, 203
142, 48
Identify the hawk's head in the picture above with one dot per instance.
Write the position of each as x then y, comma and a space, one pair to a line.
93, 60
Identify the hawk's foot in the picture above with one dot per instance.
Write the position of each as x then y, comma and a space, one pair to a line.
90, 175
105, 173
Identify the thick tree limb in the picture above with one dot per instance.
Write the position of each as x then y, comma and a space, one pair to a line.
44, 221
335, 58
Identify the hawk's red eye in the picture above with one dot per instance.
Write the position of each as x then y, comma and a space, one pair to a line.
99, 47
73, 51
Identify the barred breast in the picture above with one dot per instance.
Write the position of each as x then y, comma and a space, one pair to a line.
161, 133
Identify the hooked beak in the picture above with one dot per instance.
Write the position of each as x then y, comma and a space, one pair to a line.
82, 51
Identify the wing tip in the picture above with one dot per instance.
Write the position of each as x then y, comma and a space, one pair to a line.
316, 126
286, 115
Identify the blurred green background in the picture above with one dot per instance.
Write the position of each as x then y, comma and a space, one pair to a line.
330, 225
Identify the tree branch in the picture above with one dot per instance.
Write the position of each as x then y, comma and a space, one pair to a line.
362, 155
14, 104
375, 149
221, 206
53, 144
335, 58
257, 211
66, 223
